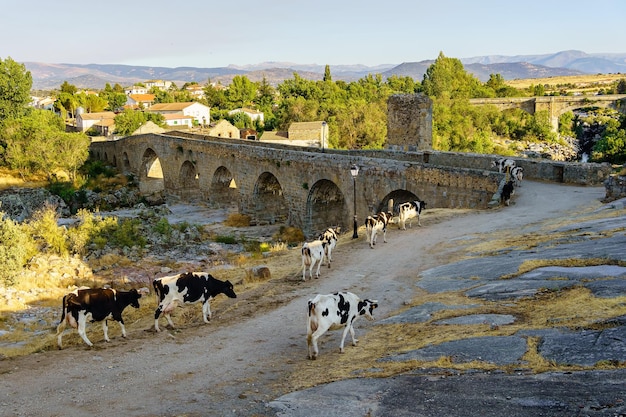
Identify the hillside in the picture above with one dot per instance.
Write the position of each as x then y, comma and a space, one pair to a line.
48, 76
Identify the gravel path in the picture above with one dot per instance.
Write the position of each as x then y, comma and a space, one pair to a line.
238, 363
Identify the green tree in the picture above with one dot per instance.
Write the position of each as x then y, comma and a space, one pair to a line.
93, 103
15, 86
68, 88
327, 76
128, 121
241, 92
38, 143
214, 96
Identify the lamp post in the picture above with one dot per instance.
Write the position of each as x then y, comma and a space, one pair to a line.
323, 134
354, 170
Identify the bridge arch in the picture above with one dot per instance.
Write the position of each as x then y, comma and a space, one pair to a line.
325, 207
189, 179
223, 188
151, 173
270, 205
395, 198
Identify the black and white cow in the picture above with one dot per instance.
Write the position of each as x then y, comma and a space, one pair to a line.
517, 174
332, 312
330, 236
507, 191
313, 253
376, 224
408, 211
502, 164
188, 288
95, 304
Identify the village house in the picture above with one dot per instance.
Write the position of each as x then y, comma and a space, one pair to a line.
178, 120
223, 129
200, 113
254, 115
136, 89
160, 84
84, 121
196, 91
314, 134
139, 101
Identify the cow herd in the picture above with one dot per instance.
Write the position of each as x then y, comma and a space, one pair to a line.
325, 312
513, 178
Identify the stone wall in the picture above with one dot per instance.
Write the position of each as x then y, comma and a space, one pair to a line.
409, 122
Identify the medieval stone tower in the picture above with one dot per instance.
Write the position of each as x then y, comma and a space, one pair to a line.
409, 122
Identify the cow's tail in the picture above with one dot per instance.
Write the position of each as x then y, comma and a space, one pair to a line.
62, 324
312, 322
157, 291
306, 255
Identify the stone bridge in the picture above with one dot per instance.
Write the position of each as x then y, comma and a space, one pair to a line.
555, 105
312, 188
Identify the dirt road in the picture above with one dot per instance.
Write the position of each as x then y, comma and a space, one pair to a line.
236, 364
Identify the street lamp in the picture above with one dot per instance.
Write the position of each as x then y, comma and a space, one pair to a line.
324, 134
354, 170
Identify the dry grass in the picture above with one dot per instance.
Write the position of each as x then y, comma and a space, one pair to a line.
581, 81
546, 310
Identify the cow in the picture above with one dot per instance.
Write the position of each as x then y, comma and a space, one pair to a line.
502, 164
332, 312
517, 174
95, 304
330, 236
408, 211
188, 288
313, 253
507, 191
375, 224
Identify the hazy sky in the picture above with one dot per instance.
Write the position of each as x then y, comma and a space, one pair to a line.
204, 33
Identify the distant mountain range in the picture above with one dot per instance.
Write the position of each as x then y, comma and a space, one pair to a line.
95, 76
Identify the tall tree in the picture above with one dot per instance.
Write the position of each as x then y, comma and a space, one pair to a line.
327, 76
15, 86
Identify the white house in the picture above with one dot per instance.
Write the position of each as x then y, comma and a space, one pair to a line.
200, 112
135, 101
252, 114
135, 89
178, 120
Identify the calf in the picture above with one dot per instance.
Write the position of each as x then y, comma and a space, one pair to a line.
408, 211
313, 253
332, 312
502, 164
188, 288
507, 191
95, 304
517, 174
330, 237
374, 225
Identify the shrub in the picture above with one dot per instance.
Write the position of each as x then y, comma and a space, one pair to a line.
237, 220
16, 248
289, 235
228, 240
47, 233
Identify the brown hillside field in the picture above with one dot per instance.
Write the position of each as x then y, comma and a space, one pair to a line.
580, 81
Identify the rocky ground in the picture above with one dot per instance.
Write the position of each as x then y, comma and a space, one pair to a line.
251, 360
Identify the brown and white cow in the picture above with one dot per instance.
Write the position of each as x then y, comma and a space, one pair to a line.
502, 164
95, 304
188, 288
408, 211
376, 224
333, 312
